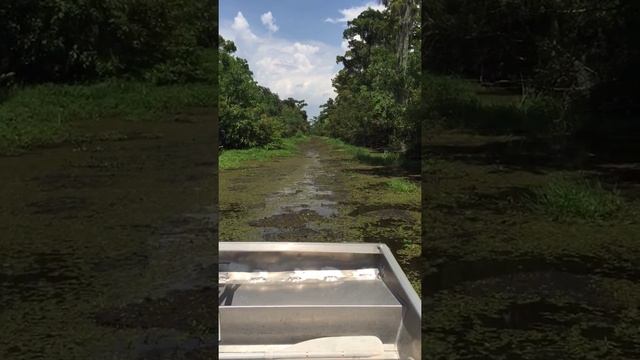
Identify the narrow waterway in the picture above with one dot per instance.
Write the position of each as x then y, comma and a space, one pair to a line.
108, 246
321, 194
505, 280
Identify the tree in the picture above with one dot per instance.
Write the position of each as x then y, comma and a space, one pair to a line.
252, 115
71, 40
373, 90
407, 14
583, 53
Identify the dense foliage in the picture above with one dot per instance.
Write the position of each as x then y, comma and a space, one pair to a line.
378, 89
582, 53
251, 115
71, 40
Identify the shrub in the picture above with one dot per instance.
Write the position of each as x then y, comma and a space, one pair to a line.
185, 66
247, 133
453, 103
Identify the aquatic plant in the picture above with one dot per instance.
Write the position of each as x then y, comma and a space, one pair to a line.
564, 198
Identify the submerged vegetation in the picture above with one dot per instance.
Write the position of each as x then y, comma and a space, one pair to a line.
530, 195
130, 86
323, 193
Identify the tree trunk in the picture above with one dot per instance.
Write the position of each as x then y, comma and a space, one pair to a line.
404, 34
402, 44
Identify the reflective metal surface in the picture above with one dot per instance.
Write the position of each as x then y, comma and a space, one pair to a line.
273, 296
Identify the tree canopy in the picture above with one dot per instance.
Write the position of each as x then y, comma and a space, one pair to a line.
584, 50
72, 40
252, 115
377, 93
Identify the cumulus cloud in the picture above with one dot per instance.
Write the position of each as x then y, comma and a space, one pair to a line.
268, 21
299, 69
351, 13
241, 27
302, 48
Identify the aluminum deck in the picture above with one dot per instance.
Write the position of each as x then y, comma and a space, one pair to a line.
285, 313
296, 300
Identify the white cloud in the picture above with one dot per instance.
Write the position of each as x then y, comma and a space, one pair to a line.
268, 21
303, 48
344, 45
241, 27
351, 13
299, 69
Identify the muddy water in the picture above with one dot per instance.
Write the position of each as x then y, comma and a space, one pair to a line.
506, 282
108, 247
320, 194
299, 207
288, 199
274, 203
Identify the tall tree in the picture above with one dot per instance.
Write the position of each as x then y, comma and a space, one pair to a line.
374, 92
407, 13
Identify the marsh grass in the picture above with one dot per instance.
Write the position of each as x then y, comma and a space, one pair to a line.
368, 156
402, 186
41, 114
37, 115
459, 103
379, 159
230, 159
564, 198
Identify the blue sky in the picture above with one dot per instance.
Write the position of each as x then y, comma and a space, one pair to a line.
291, 45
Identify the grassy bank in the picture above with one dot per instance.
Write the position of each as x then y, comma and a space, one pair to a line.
387, 204
41, 115
37, 115
365, 155
402, 186
460, 103
566, 198
230, 159
396, 185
